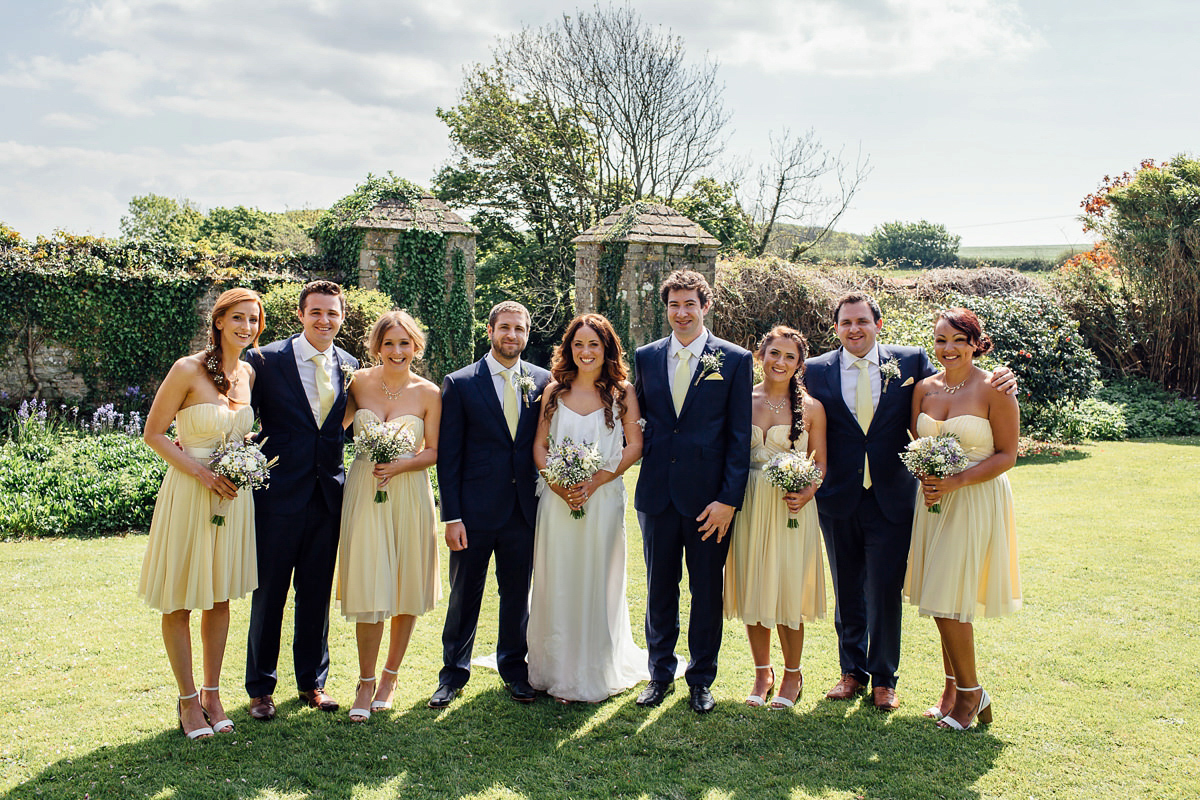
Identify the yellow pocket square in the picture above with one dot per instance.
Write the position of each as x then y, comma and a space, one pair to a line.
716, 376
907, 382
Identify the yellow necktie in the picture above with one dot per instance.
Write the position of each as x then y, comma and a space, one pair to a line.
683, 376
864, 409
510, 402
324, 389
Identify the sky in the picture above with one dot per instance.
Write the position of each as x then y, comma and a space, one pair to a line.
992, 117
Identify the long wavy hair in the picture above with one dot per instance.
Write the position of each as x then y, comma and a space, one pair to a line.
213, 358
796, 384
612, 374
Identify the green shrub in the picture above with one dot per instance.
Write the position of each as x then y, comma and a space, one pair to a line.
1151, 411
1034, 336
911, 245
1071, 423
70, 485
1018, 264
363, 307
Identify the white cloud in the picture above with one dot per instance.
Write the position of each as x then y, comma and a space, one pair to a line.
864, 38
78, 122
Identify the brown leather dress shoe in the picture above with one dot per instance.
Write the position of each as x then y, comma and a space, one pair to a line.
846, 688
262, 707
316, 698
885, 698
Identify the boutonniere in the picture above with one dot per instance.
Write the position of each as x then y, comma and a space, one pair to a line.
526, 386
888, 370
710, 366
347, 375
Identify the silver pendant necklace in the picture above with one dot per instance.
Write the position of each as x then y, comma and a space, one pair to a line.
388, 393
956, 387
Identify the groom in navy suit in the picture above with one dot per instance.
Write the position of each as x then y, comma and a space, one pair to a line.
694, 392
300, 398
486, 479
866, 501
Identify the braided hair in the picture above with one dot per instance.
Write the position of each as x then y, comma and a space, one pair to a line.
796, 384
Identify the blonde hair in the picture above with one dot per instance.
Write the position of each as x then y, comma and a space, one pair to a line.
395, 319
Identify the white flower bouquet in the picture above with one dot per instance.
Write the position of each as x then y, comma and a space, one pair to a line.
245, 465
792, 471
384, 442
569, 463
935, 456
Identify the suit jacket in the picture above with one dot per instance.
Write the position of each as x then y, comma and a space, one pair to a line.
310, 458
885, 438
703, 453
482, 469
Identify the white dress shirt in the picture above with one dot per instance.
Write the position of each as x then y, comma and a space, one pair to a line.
304, 351
696, 348
498, 380
850, 378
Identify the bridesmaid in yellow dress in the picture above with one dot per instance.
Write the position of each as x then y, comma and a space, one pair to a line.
388, 554
191, 563
963, 561
775, 576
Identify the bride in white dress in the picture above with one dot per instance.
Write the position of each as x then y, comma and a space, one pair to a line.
580, 641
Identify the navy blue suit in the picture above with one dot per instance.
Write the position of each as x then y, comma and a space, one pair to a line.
296, 518
486, 478
867, 531
688, 461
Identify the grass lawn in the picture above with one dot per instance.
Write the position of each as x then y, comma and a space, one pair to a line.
1091, 685
1050, 252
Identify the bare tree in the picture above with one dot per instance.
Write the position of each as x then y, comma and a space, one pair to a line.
655, 119
805, 183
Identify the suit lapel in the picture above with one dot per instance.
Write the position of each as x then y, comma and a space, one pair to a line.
487, 393
524, 404
291, 376
833, 380
694, 384
658, 383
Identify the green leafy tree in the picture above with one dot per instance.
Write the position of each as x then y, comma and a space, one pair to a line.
1151, 222
161, 220
714, 205
238, 227
911, 244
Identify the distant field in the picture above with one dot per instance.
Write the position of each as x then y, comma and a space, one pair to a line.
1050, 252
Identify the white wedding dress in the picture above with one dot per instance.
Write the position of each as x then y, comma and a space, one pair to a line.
580, 642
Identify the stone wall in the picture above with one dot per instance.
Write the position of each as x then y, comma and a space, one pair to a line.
53, 363
380, 244
645, 267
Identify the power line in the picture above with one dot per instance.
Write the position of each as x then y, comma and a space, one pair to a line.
1013, 221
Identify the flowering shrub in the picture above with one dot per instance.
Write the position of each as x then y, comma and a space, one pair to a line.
63, 475
1034, 336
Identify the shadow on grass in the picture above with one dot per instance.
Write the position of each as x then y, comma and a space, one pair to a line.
1054, 456
486, 744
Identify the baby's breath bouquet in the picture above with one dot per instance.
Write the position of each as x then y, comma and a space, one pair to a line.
384, 442
243, 463
792, 471
569, 463
935, 456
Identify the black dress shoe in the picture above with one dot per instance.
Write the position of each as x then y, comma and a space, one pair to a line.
702, 700
654, 693
521, 691
444, 694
